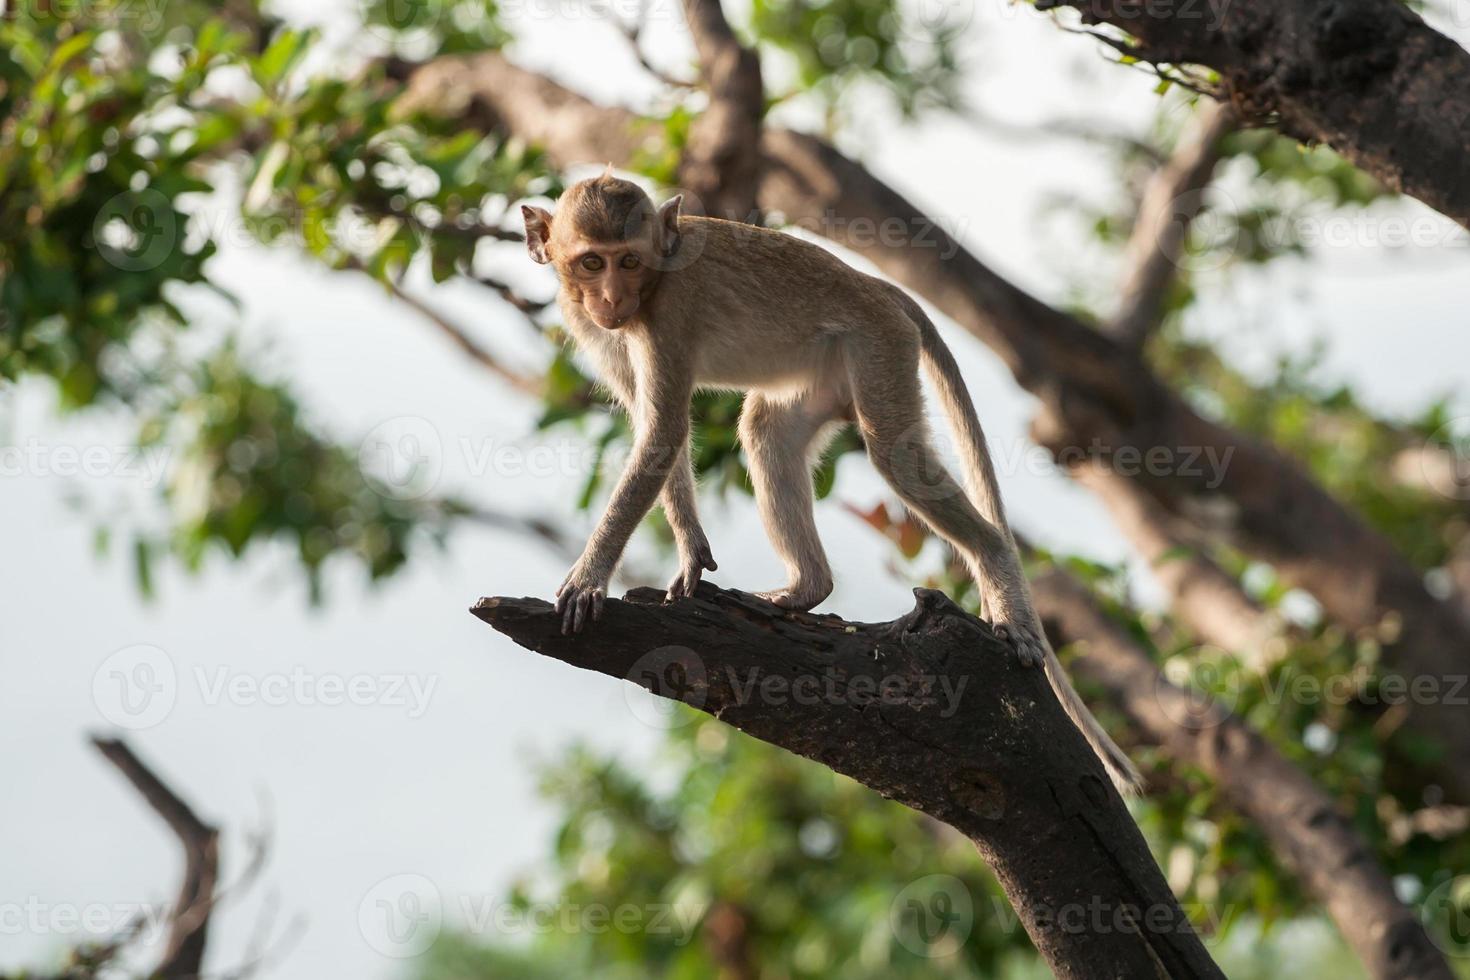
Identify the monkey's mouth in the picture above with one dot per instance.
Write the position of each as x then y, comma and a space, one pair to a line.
608, 322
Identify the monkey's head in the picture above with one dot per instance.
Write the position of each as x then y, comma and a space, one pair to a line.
607, 242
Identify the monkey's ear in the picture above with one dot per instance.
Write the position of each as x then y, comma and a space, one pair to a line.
538, 232
668, 224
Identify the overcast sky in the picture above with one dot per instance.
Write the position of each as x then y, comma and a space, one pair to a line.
418, 775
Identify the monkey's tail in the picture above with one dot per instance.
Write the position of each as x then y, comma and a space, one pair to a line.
985, 494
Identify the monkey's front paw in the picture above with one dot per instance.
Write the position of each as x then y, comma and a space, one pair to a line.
579, 600
693, 563
1025, 640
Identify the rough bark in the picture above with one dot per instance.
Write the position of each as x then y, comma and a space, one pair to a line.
1307, 831
1100, 403
930, 710
1367, 77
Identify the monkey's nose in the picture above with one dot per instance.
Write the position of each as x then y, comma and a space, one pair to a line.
622, 311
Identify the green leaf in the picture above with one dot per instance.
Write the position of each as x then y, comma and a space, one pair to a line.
281, 56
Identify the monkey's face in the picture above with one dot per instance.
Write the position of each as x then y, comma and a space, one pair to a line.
611, 279
607, 242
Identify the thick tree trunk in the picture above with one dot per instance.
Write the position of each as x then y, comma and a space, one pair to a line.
930, 710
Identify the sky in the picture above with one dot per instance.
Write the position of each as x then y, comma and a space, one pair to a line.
388, 739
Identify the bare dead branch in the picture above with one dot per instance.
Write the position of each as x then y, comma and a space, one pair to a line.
1171, 201
999, 761
632, 32
183, 955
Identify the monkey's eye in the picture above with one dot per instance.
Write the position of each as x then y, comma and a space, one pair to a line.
629, 262
592, 263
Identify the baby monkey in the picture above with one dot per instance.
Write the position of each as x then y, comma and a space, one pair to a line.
664, 303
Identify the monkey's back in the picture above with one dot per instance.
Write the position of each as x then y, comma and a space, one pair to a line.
762, 298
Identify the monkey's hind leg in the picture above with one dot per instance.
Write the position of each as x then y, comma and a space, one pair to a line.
890, 409
780, 437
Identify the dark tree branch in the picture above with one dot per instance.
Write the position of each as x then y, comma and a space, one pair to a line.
529, 307
930, 710
1367, 77
1306, 828
1171, 201
183, 955
457, 335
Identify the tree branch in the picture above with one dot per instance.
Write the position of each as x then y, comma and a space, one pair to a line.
459, 337
1367, 77
1208, 599
633, 33
1307, 831
183, 955
721, 161
930, 710
1171, 201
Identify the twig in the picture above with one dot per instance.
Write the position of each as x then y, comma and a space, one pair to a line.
632, 32
524, 383
530, 307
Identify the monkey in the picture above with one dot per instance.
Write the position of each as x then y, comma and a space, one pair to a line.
664, 302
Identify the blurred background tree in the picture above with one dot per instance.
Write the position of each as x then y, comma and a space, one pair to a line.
121, 131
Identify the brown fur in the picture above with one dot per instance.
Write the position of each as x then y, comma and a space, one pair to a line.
608, 209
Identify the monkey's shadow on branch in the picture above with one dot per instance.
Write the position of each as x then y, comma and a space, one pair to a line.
932, 710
